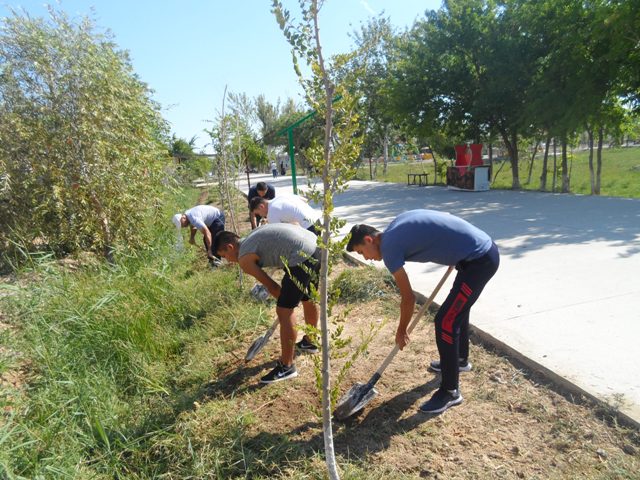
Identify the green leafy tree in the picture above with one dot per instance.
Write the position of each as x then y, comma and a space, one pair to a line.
370, 67
236, 145
577, 72
466, 70
623, 20
83, 145
190, 164
304, 135
268, 114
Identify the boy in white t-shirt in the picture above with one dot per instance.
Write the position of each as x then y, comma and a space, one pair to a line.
287, 209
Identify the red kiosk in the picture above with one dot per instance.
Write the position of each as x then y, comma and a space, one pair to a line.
469, 173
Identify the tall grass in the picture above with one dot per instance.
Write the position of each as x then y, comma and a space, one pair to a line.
112, 356
620, 172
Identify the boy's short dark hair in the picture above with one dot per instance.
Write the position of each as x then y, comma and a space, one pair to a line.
255, 202
262, 186
223, 238
358, 232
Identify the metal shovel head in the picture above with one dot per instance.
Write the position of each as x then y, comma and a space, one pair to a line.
354, 400
255, 347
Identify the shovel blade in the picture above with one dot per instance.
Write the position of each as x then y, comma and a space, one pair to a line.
255, 347
354, 400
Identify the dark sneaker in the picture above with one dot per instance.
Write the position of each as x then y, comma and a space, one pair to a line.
441, 400
463, 366
281, 372
305, 345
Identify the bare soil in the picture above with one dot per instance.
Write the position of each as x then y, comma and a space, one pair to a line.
509, 426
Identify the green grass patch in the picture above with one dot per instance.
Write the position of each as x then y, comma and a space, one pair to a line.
110, 344
620, 172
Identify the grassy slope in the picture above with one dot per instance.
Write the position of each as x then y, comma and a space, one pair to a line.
109, 358
620, 173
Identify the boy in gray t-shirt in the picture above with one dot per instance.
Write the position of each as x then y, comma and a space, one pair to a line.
207, 219
293, 249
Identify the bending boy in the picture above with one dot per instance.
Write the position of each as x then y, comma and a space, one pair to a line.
287, 209
205, 218
293, 249
263, 190
430, 236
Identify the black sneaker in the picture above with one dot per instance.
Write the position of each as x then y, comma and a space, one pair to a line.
281, 372
463, 366
441, 400
305, 345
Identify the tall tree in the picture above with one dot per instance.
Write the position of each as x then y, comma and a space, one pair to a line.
373, 42
623, 21
267, 114
467, 69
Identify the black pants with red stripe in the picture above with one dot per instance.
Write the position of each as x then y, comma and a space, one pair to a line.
452, 320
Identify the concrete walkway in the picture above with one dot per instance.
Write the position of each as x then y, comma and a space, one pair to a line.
566, 299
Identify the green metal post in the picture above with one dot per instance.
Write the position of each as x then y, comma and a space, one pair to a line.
292, 158
289, 131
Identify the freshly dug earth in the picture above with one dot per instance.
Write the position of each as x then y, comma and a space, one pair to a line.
509, 426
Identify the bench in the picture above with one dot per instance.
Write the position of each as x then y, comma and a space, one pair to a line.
421, 179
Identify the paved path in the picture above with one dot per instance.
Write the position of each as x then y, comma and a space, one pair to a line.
567, 296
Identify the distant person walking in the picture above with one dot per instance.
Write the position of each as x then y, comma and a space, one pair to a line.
208, 220
260, 189
274, 169
430, 236
283, 170
293, 249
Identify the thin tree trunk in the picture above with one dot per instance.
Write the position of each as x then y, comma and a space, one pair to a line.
490, 159
511, 142
104, 226
599, 159
533, 156
435, 166
555, 165
592, 176
385, 152
330, 457
565, 166
543, 175
226, 193
499, 170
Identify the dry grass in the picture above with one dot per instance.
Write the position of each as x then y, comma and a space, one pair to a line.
509, 426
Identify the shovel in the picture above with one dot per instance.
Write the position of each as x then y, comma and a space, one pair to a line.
360, 394
260, 342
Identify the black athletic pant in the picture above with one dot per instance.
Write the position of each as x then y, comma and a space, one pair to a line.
215, 227
452, 320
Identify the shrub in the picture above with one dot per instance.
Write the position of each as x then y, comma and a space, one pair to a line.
81, 157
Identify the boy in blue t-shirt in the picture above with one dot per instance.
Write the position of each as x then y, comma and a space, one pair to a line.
430, 236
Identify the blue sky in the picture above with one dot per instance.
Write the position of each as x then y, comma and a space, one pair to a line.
188, 50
